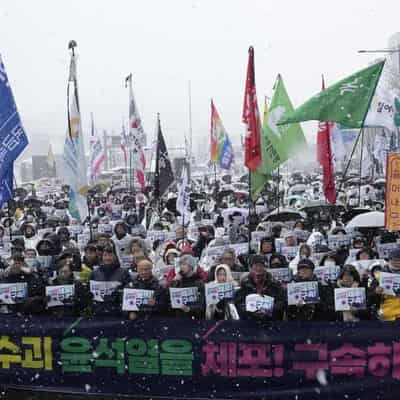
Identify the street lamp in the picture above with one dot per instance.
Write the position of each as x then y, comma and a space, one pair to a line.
390, 51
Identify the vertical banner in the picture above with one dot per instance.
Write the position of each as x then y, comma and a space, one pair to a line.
392, 200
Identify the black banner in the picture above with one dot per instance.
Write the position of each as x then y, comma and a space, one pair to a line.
201, 359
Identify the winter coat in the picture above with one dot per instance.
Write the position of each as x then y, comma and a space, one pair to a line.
197, 309
270, 288
160, 296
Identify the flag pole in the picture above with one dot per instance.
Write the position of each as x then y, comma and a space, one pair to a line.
361, 159
9, 216
359, 133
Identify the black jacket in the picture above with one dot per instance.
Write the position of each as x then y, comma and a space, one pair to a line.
79, 305
270, 288
321, 311
197, 309
160, 296
34, 303
112, 305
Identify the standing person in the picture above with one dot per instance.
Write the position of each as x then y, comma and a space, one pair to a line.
259, 281
146, 281
110, 271
186, 277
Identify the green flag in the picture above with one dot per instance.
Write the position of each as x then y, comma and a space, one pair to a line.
345, 102
278, 143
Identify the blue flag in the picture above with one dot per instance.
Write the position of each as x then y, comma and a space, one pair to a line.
6, 186
12, 135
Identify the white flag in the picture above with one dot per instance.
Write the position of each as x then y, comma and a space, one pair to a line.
74, 152
382, 111
183, 200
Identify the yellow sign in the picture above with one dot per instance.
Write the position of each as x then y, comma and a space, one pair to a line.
392, 201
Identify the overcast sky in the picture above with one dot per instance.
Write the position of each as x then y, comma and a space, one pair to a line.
167, 43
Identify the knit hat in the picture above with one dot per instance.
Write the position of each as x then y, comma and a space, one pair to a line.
305, 263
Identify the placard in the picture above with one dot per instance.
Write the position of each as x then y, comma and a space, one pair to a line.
390, 283
101, 289
133, 299
327, 274
282, 275
59, 295
290, 252
126, 261
303, 293
255, 302
385, 249
13, 293
218, 291
183, 296
347, 299
337, 241
392, 192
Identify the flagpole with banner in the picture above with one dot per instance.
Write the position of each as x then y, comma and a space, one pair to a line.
136, 138
251, 119
346, 102
74, 152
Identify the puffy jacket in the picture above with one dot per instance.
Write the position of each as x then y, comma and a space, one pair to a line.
112, 304
160, 296
270, 288
197, 309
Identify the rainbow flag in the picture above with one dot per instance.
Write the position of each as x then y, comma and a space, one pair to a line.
220, 144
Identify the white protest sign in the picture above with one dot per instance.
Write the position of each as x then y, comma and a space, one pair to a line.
83, 239
303, 293
134, 298
44, 261
58, 295
74, 229
289, 252
385, 249
317, 257
390, 283
127, 261
255, 302
104, 228
218, 291
60, 213
282, 275
101, 289
337, 241
240, 248
258, 235
13, 293
183, 296
347, 299
327, 274
352, 254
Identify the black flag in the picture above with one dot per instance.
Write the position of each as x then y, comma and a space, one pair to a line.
164, 176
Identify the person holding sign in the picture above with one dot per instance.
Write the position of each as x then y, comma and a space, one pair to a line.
311, 309
110, 271
79, 300
222, 275
188, 277
386, 306
350, 278
19, 272
260, 282
145, 280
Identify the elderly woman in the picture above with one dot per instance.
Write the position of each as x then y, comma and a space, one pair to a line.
188, 277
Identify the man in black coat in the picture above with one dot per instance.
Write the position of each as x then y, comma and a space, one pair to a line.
259, 281
146, 281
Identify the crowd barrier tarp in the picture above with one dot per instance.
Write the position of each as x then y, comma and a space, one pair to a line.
201, 359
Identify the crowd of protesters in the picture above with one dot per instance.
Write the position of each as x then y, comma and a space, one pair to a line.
43, 246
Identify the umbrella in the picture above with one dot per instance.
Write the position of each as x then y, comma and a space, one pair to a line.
353, 212
283, 215
373, 219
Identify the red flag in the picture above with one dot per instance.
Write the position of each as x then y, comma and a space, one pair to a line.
324, 156
251, 119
